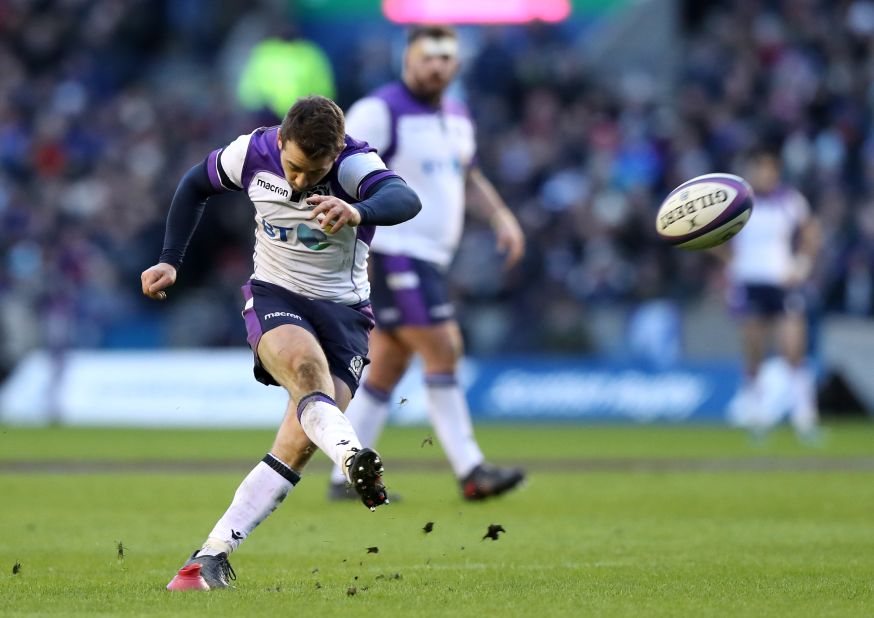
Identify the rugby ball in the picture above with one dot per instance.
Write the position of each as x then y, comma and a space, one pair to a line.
705, 211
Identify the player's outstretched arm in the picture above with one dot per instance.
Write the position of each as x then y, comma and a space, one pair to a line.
489, 206
185, 212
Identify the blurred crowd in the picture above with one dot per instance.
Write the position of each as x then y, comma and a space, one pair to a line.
585, 162
104, 104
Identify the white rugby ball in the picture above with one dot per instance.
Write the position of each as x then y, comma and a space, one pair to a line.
705, 211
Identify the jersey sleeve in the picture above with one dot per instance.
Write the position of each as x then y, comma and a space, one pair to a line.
225, 165
369, 120
360, 171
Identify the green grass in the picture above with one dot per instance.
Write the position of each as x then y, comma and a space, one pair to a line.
522, 441
688, 543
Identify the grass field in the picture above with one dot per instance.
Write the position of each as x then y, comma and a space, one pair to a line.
642, 521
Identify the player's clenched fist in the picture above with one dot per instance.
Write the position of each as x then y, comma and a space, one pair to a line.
156, 279
332, 213
509, 236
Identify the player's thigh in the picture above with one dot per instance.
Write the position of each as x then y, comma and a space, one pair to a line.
293, 356
792, 337
389, 359
440, 345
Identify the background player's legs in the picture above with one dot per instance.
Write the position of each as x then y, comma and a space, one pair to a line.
440, 346
747, 410
754, 337
792, 332
368, 411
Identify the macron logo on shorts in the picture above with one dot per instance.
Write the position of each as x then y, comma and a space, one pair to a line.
283, 314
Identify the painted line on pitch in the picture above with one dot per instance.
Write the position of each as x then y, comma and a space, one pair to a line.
566, 465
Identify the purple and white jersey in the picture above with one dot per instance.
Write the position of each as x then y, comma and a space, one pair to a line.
432, 149
763, 252
290, 250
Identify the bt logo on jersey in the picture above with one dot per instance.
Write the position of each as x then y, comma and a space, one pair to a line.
275, 230
436, 166
309, 237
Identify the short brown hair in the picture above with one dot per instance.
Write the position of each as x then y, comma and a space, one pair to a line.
316, 125
427, 31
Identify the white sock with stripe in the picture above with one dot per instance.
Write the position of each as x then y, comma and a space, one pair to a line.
328, 428
450, 417
263, 489
367, 412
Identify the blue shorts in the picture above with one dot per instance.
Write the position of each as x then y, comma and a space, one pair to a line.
343, 331
764, 301
408, 292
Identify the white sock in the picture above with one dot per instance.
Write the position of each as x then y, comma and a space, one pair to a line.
741, 408
773, 387
450, 417
756, 417
328, 428
804, 408
367, 412
263, 489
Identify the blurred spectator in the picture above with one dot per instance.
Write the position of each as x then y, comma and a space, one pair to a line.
279, 71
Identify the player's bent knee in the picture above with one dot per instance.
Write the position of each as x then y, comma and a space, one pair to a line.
450, 350
442, 359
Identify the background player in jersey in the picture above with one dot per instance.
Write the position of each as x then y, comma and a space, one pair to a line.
769, 263
317, 195
429, 139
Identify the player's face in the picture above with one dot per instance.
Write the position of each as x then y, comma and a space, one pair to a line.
764, 174
301, 172
431, 64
